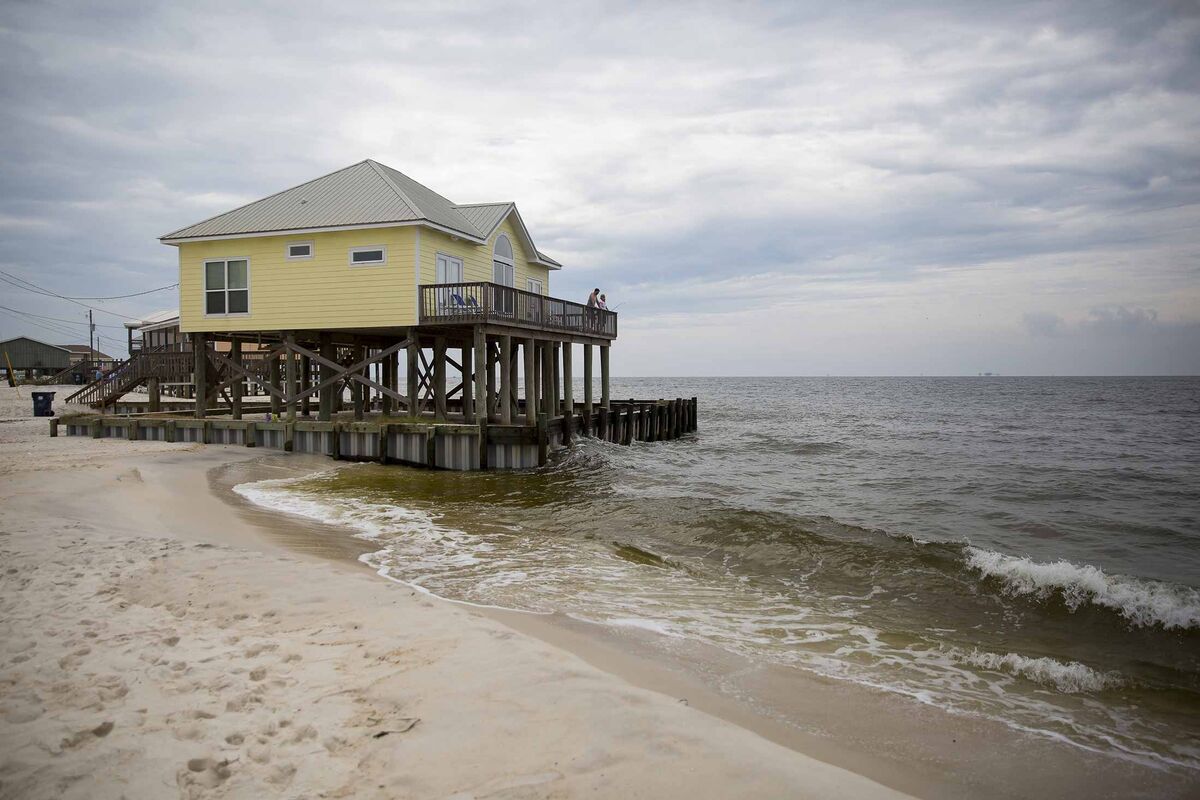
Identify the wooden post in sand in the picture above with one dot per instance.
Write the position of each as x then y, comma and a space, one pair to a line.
290, 375
439, 378
235, 389
531, 406
587, 389
200, 373
604, 378
357, 390
155, 392
568, 393
325, 401
468, 381
276, 384
506, 388
481, 394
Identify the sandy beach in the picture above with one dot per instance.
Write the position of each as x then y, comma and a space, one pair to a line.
162, 636
154, 644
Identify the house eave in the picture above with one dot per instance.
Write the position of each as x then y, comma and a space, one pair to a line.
178, 240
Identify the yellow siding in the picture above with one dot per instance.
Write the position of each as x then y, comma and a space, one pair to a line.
322, 292
477, 259
325, 292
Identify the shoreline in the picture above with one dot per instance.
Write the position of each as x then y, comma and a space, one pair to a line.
156, 643
857, 743
904, 744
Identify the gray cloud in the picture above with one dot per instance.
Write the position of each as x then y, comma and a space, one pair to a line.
918, 173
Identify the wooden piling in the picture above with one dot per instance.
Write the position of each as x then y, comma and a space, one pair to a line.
568, 393
235, 388
587, 389
604, 378
155, 391
290, 376
439, 378
414, 366
325, 400
200, 373
305, 382
506, 388
531, 406
273, 379
481, 392
468, 381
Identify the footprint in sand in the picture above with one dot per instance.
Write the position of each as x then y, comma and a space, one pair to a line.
83, 737
207, 773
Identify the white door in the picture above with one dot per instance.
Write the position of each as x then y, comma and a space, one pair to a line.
449, 270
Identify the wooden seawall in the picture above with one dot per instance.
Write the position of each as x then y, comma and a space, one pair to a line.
400, 440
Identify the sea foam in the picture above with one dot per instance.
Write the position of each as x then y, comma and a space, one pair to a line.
1069, 677
1143, 602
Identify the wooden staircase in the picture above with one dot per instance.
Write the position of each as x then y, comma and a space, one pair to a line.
167, 366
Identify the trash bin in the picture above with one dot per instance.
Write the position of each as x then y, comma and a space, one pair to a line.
43, 404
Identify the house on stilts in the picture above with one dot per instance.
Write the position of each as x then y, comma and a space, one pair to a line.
377, 320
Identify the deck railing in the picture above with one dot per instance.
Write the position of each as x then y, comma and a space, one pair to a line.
457, 303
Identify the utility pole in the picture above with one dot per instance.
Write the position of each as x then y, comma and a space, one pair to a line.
91, 330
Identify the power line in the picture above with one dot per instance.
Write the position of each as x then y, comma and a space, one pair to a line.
39, 290
111, 297
123, 296
55, 329
60, 319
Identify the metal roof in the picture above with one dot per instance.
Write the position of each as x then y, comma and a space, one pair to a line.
485, 216
366, 193
165, 315
77, 349
32, 341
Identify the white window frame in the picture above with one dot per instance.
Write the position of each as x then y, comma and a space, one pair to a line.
287, 251
204, 281
450, 260
509, 264
535, 285
382, 248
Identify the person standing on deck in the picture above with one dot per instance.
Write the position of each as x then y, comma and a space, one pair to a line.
602, 303
592, 301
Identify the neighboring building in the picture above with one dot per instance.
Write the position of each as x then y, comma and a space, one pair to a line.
346, 251
83, 352
154, 330
33, 359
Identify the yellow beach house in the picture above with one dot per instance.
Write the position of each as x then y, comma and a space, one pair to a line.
364, 292
348, 250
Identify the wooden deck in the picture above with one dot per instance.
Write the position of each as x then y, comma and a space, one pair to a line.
492, 303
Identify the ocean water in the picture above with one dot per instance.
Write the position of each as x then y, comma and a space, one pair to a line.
1024, 549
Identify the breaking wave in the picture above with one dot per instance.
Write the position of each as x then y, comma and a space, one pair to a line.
1142, 602
1069, 677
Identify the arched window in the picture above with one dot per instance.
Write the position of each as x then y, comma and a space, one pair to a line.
502, 262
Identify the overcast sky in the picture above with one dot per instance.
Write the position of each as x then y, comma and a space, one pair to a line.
761, 189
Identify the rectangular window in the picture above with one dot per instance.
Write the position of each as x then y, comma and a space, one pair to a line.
535, 286
227, 286
299, 250
502, 273
449, 269
365, 256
